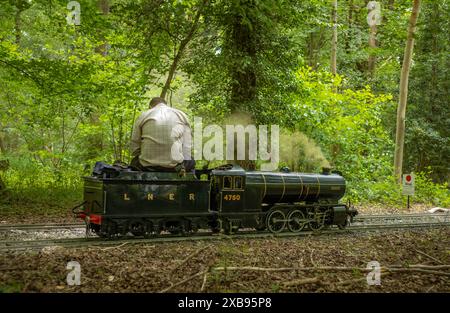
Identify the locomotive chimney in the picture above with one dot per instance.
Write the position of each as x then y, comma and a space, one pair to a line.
326, 170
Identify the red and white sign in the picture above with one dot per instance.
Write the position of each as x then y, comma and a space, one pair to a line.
408, 184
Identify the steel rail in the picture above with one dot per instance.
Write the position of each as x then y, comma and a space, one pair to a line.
43, 227
358, 218
98, 242
401, 215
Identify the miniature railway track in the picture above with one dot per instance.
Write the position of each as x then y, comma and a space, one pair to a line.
40, 227
359, 219
400, 218
361, 224
373, 219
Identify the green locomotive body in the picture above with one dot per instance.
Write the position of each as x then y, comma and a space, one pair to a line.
146, 203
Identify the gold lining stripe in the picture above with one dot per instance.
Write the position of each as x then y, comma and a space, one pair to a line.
287, 184
301, 192
265, 186
318, 189
307, 191
284, 187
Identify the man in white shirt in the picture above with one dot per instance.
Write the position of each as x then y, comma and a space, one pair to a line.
161, 139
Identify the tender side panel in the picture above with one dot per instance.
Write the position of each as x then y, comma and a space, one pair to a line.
146, 198
93, 196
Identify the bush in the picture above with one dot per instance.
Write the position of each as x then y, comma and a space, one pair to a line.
429, 192
389, 192
29, 182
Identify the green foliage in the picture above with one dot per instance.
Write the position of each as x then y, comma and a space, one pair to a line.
30, 182
349, 128
429, 192
347, 125
428, 123
11, 287
387, 191
69, 94
246, 61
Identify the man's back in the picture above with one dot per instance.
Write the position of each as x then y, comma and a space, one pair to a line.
161, 137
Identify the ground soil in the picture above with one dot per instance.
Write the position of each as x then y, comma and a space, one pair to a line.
180, 267
34, 213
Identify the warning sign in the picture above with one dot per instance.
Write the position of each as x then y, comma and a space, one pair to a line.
408, 184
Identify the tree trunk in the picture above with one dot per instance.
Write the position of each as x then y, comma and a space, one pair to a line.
181, 50
17, 25
310, 45
103, 6
2, 140
243, 89
2, 143
391, 5
372, 44
4, 165
374, 18
401, 111
433, 82
21, 5
349, 26
334, 38
95, 139
244, 39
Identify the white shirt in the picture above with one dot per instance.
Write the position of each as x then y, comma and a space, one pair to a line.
161, 137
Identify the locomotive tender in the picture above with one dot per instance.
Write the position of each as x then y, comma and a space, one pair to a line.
147, 203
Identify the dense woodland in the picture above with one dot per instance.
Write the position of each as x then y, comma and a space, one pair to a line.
69, 93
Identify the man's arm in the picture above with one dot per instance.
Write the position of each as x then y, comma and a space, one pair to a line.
187, 142
135, 143
186, 139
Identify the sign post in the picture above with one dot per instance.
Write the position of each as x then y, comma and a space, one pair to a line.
408, 186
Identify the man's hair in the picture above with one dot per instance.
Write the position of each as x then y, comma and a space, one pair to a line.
156, 101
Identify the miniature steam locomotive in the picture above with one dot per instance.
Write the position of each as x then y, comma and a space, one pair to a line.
225, 199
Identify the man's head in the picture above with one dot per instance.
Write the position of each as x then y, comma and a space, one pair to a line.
155, 101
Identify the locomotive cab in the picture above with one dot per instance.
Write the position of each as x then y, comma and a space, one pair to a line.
228, 188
